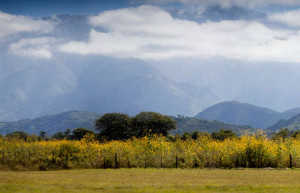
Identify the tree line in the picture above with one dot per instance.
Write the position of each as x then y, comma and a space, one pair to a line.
120, 126
113, 126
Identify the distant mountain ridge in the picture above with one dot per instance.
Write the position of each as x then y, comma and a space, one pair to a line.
52, 123
293, 124
191, 124
95, 84
234, 112
73, 119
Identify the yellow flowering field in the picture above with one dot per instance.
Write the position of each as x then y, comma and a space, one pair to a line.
249, 150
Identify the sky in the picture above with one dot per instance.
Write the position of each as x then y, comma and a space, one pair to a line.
147, 30
150, 31
41, 8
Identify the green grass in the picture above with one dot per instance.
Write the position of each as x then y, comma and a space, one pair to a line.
150, 180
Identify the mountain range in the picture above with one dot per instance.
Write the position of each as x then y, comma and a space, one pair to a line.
293, 124
230, 115
96, 84
52, 124
234, 112
191, 124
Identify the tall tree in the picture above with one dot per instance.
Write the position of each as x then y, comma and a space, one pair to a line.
79, 133
114, 126
148, 123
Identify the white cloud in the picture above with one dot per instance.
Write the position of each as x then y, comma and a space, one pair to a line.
149, 32
290, 18
225, 3
12, 24
33, 47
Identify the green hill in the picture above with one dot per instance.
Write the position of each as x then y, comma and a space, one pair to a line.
52, 123
234, 112
291, 123
190, 124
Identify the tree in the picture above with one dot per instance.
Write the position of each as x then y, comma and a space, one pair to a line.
282, 133
223, 134
67, 134
196, 134
114, 126
79, 133
59, 135
42, 134
296, 134
149, 123
63, 135
18, 135
186, 136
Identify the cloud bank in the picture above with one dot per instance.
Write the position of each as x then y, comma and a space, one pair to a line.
12, 24
148, 32
226, 3
289, 18
33, 47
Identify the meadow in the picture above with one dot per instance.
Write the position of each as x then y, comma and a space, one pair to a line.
247, 151
150, 180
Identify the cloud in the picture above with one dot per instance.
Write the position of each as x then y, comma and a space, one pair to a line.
289, 18
33, 47
12, 24
226, 3
148, 32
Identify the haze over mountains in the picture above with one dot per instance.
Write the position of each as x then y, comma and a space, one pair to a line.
107, 63
96, 84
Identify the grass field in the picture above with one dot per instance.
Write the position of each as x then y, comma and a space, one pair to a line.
150, 180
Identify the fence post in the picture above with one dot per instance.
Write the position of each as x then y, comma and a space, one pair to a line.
176, 163
104, 164
161, 161
128, 163
291, 162
116, 160
145, 163
53, 158
196, 164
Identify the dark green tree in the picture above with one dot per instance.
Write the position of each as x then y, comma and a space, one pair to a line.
282, 133
186, 136
149, 123
296, 134
67, 134
18, 135
196, 134
63, 135
59, 135
223, 134
114, 126
79, 133
42, 134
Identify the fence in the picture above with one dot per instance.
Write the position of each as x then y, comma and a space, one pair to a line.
252, 151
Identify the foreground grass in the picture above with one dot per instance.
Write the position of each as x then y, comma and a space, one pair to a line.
150, 180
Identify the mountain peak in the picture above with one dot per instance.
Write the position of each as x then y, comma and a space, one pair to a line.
235, 112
